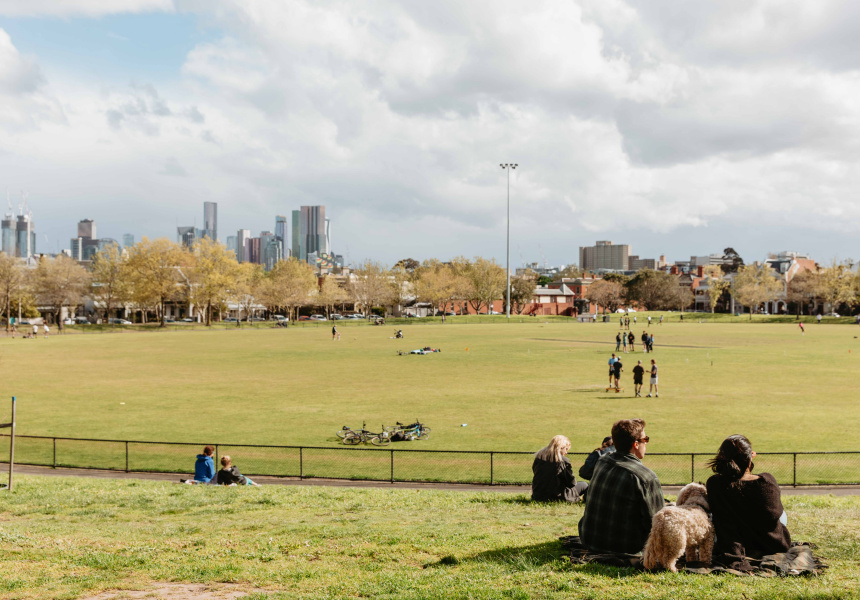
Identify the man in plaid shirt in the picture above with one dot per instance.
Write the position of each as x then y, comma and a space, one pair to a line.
623, 494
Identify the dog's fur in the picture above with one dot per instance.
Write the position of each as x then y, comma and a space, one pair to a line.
680, 528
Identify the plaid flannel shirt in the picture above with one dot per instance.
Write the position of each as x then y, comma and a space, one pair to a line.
622, 497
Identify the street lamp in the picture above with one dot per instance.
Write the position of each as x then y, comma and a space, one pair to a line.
508, 167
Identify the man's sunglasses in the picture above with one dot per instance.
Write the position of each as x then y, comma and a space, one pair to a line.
644, 440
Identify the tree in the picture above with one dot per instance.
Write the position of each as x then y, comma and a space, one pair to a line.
252, 287
292, 283
655, 290
570, 272
752, 286
331, 293
110, 281
802, 289
154, 268
60, 282
606, 294
523, 290
371, 286
487, 283
215, 273
837, 286
683, 297
410, 265
12, 282
735, 261
717, 286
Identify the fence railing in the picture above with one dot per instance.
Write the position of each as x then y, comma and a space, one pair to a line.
402, 464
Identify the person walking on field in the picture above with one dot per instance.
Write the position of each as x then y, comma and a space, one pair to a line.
649, 320
46, 331
624, 341
644, 339
618, 342
801, 328
617, 368
638, 375
631, 339
819, 318
35, 330
653, 388
335, 334
611, 369
661, 319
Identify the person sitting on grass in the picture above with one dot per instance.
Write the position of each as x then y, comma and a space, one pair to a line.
230, 475
553, 474
623, 494
586, 471
204, 468
749, 519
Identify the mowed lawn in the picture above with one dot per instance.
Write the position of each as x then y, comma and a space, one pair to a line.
494, 386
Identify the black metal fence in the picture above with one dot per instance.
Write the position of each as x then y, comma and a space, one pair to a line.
398, 462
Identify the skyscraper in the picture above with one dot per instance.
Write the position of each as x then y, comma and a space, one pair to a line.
605, 255
8, 245
242, 237
127, 240
311, 224
77, 248
231, 243
270, 250
87, 228
281, 233
25, 236
210, 220
186, 236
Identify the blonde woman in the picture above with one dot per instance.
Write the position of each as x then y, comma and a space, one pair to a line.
553, 474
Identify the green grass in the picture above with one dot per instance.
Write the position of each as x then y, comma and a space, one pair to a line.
512, 385
67, 538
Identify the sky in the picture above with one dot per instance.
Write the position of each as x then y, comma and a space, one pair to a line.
680, 128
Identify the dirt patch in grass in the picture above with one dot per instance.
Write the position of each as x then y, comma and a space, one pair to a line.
177, 591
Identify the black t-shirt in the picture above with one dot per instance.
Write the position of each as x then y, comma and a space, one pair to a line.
617, 367
638, 372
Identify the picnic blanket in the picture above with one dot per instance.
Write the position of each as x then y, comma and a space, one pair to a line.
798, 560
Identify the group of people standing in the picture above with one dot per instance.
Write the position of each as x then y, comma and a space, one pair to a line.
616, 367
623, 494
623, 340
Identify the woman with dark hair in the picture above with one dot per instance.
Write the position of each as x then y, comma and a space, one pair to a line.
553, 474
748, 516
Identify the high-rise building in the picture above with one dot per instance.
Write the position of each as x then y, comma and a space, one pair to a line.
186, 236
210, 221
77, 248
327, 236
8, 243
127, 240
270, 250
231, 243
309, 230
87, 229
605, 255
242, 237
254, 251
25, 236
281, 233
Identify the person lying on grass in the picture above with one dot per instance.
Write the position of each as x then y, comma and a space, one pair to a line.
230, 475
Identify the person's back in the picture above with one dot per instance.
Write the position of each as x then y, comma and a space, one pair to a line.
204, 468
623, 494
553, 474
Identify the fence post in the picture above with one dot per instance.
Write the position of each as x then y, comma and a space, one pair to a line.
126, 456
491, 468
794, 470
216, 455
392, 465
12, 445
301, 464
692, 468
55, 453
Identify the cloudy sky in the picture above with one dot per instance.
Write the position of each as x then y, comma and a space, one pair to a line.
678, 127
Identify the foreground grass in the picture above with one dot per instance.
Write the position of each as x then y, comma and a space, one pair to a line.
68, 538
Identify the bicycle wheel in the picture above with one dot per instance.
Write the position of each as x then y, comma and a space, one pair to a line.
342, 433
352, 439
425, 433
392, 428
378, 440
425, 429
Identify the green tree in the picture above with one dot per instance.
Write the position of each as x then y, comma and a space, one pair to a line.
291, 284
487, 283
214, 275
837, 286
110, 279
60, 282
154, 268
752, 286
12, 284
371, 285
331, 293
523, 290
606, 294
655, 290
717, 285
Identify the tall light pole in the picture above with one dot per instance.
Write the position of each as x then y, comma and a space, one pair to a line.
508, 167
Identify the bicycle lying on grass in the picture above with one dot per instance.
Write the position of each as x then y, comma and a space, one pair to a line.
351, 437
413, 431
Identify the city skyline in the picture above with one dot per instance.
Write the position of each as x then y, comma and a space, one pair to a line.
735, 134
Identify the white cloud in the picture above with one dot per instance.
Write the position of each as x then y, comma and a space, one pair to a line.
87, 8
24, 99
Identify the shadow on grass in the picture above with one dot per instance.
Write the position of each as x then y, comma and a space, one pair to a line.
521, 557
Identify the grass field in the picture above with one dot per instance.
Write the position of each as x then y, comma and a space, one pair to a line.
68, 538
512, 385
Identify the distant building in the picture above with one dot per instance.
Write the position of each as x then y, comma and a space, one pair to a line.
210, 221
281, 233
127, 240
25, 236
242, 237
77, 248
605, 255
309, 232
270, 250
231, 243
87, 229
186, 236
637, 264
254, 251
9, 239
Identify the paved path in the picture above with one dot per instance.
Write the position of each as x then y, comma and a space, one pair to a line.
835, 490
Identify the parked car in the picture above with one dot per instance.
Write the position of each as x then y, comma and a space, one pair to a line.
318, 318
304, 318
119, 322
354, 317
68, 322
450, 313
257, 319
337, 317
82, 320
169, 320
189, 320
231, 320
832, 314
279, 318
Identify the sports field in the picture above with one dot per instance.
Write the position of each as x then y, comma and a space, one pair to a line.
493, 387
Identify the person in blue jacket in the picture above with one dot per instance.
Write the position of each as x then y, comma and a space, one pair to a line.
204, 468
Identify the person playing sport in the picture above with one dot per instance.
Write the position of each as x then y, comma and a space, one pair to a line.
611, 369
624, 341
649, 320
47, 331
631, 340
801, 328
661, 319
638, 375
653, 388
644, 339
335, 334
617, 368
618, 341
